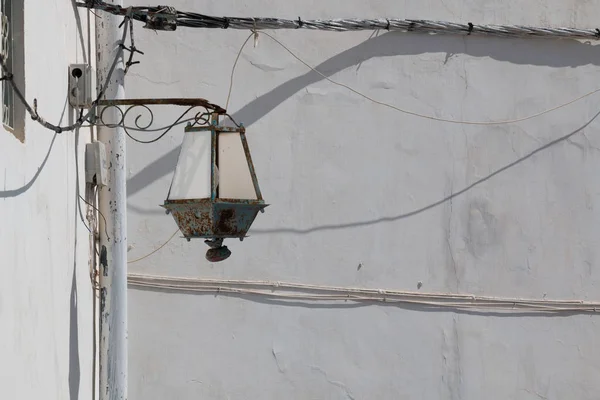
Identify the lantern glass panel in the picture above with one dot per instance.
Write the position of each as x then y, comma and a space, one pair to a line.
193, 173
235, 180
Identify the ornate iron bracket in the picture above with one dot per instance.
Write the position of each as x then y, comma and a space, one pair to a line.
136, 115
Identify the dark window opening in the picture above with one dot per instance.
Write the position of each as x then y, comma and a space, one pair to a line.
12, 47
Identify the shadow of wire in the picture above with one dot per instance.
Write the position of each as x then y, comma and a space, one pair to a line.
20, 190
539, 52
427, 207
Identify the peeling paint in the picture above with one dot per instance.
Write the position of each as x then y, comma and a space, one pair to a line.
104, 260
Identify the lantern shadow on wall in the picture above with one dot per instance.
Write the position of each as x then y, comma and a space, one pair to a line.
214, 194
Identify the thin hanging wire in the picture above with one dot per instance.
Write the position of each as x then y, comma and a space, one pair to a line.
391, 106
155, 250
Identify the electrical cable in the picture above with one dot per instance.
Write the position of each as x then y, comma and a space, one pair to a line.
327, 293
404, 111
154, 251
308, 292
99, 212
8, 76
168, 18
237, 58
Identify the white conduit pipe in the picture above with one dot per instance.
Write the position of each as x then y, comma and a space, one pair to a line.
306, 292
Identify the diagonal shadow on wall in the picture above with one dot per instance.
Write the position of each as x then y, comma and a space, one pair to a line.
429, 206
540, 52
20, 190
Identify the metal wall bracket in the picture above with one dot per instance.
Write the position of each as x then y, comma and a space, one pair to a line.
137, 115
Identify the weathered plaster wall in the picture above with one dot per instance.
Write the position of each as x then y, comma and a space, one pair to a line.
350, 183
45, 291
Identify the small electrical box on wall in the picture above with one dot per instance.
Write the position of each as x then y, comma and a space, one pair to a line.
80, 86
96, 168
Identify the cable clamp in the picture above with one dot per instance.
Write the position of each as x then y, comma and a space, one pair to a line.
127, 16
163, 19
34, 114
255, 31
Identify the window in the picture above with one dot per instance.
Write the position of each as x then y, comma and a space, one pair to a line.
12, 46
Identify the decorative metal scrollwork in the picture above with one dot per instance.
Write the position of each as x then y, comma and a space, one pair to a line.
136, 115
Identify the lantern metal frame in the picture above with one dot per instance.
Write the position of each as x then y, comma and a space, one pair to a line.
215, 218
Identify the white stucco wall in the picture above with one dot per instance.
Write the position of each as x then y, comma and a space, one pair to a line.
350, 182
45, 290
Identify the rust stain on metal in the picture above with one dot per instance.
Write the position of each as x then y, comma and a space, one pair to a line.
221, 218
226, 222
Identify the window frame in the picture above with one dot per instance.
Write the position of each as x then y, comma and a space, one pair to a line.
6, 47
12, 22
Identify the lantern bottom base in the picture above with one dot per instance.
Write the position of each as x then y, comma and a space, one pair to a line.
214, 219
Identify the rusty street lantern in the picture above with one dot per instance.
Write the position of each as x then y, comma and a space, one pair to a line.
214, 194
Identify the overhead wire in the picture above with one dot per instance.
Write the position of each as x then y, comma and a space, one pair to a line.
253, 24
33, 110
402, 110
237, 58
170, 19
155, 250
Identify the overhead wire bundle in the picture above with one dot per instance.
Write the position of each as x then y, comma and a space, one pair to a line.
173, 18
